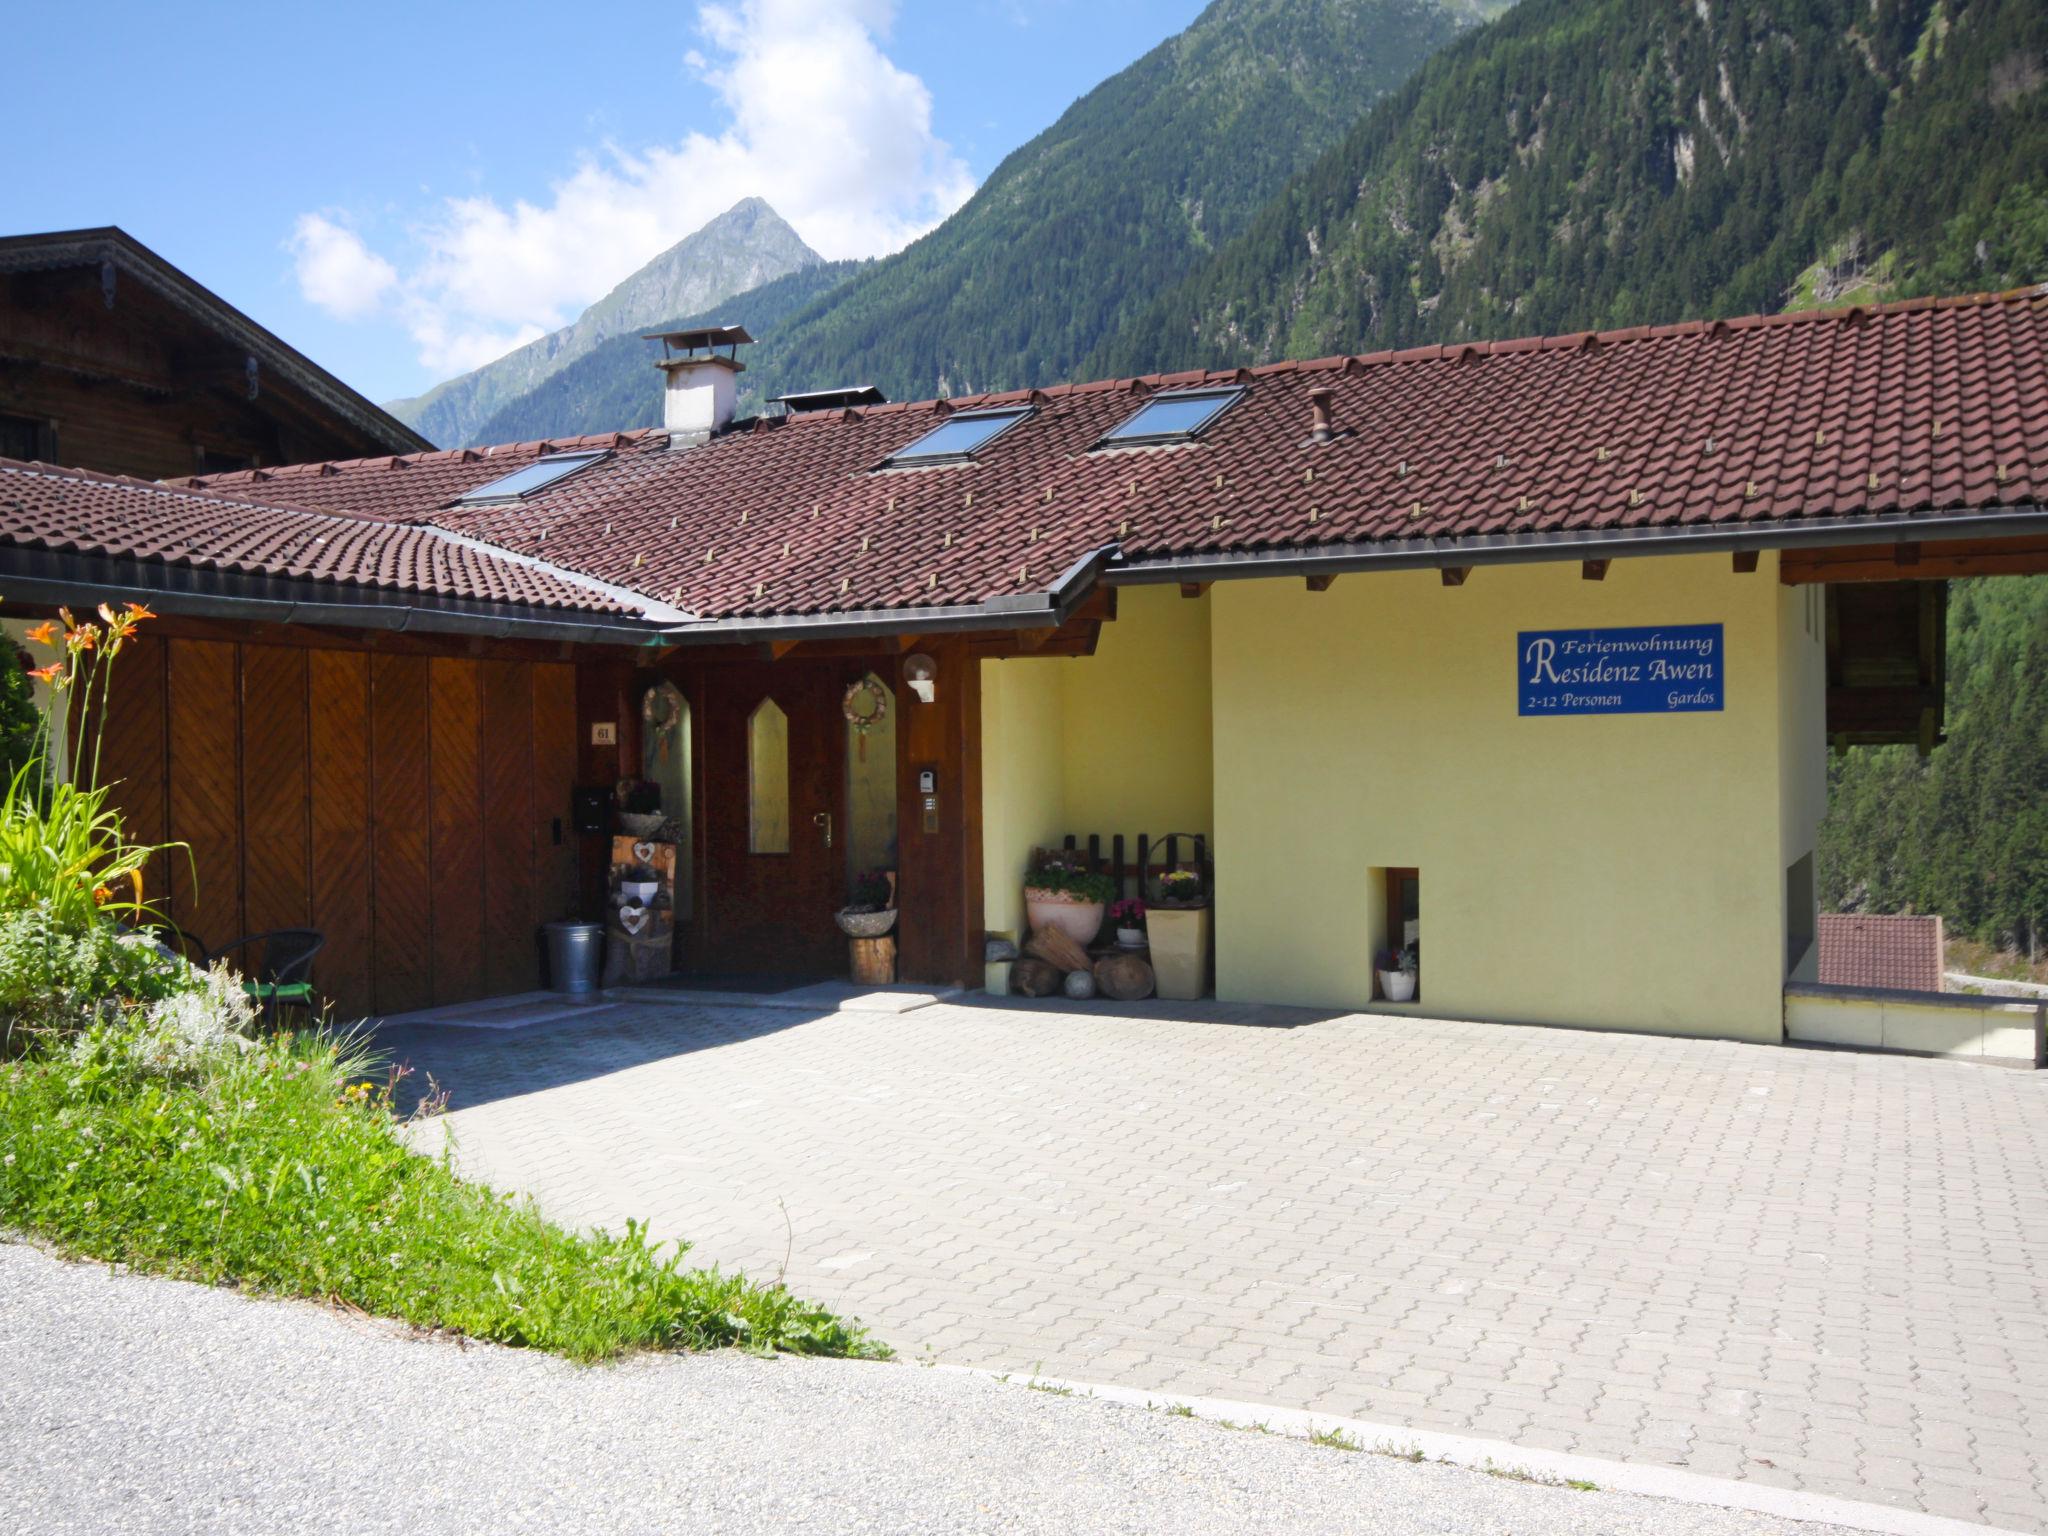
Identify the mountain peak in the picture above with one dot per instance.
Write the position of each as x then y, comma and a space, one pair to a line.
747, 245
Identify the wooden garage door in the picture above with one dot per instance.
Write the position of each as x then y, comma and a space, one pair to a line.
414, 809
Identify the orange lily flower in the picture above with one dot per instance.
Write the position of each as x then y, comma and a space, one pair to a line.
137, 613
48, 674
44, 633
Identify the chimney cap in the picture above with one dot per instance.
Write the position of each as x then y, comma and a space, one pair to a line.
701, 338
830, 399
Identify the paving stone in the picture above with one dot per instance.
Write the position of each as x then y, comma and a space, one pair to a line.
1817, 1270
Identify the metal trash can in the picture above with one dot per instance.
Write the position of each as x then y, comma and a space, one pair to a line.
575, 956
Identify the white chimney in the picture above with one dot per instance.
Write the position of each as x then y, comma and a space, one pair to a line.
703, 382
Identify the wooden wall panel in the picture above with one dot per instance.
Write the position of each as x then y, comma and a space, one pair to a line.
132, 756
556, 881
338, 741
511, 961
276, 888
402, 902
455, 715
205, 800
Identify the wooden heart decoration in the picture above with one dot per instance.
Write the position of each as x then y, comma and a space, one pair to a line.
634, 919
643, 853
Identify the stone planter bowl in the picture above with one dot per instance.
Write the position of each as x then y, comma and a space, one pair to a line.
642, 824
1080, 921
865, 925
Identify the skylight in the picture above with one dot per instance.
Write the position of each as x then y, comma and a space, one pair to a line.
1172, 418
537, 476
959, 437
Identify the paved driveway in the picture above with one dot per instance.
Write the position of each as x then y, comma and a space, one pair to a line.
1819, 1270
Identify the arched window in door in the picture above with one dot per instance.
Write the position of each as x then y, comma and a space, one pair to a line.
870, 776
665, 760
768, 779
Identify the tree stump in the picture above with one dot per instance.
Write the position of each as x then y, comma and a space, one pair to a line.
1031, 977
874, 960
1123, 977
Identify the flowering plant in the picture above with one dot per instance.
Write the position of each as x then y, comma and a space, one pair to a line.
1066, 872
1179, 887
1128, 913
1407, 958
61, 842
868, 891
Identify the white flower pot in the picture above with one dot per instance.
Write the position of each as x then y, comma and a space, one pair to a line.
1130, 938
1397, 986
1078, 920
1180, 951
639, 891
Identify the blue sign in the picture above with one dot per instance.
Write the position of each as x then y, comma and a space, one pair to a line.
1672, 670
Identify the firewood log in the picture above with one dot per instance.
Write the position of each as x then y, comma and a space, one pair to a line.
1124, 977
1050, 943
1031, 977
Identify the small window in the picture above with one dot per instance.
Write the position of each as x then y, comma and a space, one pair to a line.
768, 779
1177, 417
521, 483
958, 438
22, 437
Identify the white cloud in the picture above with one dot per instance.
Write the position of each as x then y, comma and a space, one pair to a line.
820, 122
336, 270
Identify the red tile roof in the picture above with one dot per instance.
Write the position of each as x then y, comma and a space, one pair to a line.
109, 515
1861, 949
1932, 407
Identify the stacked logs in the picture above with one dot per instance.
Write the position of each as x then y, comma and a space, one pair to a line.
1052, 962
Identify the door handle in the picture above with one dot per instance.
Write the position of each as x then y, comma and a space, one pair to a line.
824, 819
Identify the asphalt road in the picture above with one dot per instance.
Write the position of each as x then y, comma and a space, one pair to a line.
130, 1404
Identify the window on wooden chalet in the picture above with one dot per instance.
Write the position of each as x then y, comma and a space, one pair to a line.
24, 437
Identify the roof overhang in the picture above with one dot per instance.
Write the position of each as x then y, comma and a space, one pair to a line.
1578, 544
44, 577
117, 252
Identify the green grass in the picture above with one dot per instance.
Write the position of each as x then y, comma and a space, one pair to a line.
279, 1171
1335, 1438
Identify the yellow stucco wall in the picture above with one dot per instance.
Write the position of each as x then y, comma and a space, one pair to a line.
1137, 756
1022, 754
1613, 871
1109, 743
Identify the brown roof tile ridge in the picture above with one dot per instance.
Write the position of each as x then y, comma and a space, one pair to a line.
652, 609
201, 494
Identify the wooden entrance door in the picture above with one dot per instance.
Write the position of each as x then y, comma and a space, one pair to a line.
774, 817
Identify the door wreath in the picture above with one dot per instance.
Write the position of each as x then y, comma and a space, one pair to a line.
866, 706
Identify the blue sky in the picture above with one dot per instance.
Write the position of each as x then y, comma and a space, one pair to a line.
403, 191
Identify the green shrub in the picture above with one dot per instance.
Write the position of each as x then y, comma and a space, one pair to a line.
59, 977
279, 1170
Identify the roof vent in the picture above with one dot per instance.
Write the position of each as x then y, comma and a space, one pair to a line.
703, 369
829, 399
1319, 400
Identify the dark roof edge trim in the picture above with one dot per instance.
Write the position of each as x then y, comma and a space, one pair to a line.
44, 251
45, 576
1035, 610
1588, 544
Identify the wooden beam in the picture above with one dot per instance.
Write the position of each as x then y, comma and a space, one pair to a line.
1931, 560
1454, 575
1033, 639
1745, 562
1193, 588
1320, 583
777, 649
1593, 570
1905, 554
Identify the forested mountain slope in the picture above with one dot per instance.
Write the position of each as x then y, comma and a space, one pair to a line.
1077, 231
1590, 163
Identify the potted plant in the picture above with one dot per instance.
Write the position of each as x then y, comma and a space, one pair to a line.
1399, 970
870, 909
1178, 926
1128, 918
639, 807
1061, 891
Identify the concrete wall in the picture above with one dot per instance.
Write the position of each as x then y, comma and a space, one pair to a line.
1614, 871
2000, 1029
